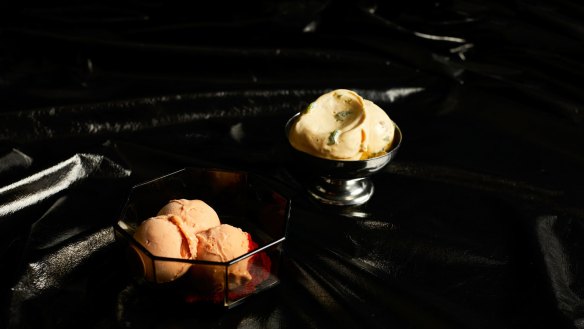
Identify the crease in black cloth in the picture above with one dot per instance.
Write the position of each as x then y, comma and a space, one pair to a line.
477, 223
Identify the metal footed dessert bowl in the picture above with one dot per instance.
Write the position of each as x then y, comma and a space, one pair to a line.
341, 182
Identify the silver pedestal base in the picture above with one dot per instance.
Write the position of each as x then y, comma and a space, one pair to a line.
342, 192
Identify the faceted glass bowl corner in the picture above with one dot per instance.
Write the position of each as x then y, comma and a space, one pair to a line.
240, 199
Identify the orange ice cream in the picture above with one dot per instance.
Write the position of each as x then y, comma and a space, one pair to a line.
190, 229
341, 125
221, 244
165, 236
196, 213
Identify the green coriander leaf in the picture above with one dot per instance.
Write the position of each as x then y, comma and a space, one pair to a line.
341, 116
334, 137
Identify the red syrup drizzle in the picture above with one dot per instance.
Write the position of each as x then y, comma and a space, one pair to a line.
258, 266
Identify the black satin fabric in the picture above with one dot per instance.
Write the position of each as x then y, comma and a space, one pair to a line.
477, 223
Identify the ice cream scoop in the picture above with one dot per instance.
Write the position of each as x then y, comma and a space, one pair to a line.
221, 244
380, 130
165, 236
341, 125
197, 214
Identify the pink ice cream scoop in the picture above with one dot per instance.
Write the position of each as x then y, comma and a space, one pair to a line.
221, 244
165, 236
196, 213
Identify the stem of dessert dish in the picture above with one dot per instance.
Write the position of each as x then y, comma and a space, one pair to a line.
342, 192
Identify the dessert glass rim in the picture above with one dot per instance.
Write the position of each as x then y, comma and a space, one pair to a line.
187, 168
124, 231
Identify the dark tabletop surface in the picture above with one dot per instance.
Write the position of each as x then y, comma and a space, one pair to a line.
477, 223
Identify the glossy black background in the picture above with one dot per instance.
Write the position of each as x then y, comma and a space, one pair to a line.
477, 223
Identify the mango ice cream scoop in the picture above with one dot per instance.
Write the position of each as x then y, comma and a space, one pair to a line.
222, 244
196, 214
165, 236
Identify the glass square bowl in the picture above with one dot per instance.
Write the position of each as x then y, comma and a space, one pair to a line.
241, 199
